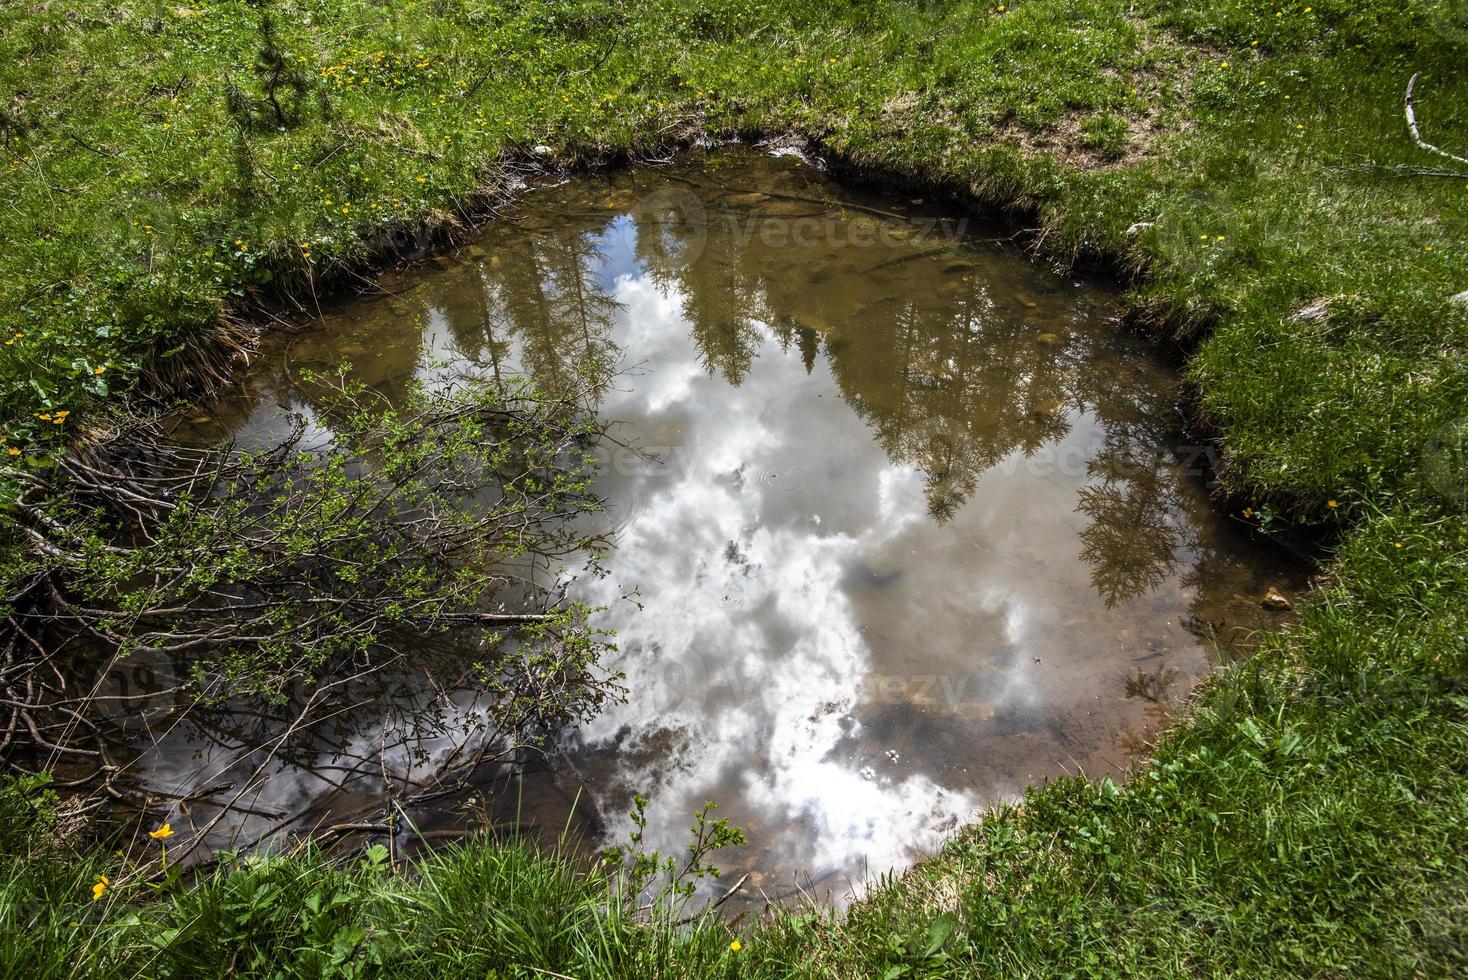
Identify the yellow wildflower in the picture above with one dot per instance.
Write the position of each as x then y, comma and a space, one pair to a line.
162, 833
98, 370
99, 888
1331, 504
736, 945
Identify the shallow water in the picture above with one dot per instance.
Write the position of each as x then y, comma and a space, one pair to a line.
903, 522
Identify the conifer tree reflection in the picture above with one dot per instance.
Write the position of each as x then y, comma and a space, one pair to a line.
1131, 540
951, 385
544, 290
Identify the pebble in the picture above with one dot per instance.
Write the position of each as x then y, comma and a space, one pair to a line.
1275, 601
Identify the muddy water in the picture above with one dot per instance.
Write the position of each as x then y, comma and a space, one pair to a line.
903, 522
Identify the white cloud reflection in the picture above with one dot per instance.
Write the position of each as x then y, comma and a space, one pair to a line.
745, 605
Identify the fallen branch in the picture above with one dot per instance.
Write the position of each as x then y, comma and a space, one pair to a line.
717, 902
271, 593
1409, 170
1411, 112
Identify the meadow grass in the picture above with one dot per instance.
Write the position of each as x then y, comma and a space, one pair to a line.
1244, 164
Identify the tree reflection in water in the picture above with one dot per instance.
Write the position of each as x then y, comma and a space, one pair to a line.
878, 451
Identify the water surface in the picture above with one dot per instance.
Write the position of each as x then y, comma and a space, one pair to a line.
902, 522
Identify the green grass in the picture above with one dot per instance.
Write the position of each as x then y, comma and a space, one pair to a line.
1241, 160
472, 910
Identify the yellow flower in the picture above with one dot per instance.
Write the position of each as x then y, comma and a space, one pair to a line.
98, 370
13, 451
100, 887
1331, 504
162, 833
1248, 511
736, 945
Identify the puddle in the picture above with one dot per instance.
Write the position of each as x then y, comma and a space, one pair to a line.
905, 521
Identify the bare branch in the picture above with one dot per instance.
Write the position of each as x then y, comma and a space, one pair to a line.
1410, 107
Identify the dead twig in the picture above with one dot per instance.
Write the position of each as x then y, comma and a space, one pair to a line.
717, 902
1410, 108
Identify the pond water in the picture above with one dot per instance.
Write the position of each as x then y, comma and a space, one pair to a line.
902, 522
